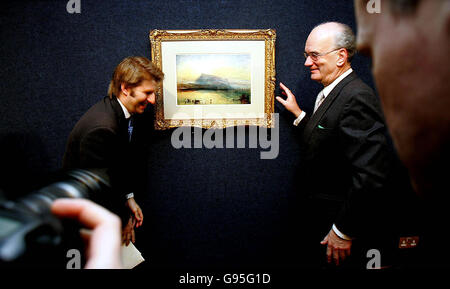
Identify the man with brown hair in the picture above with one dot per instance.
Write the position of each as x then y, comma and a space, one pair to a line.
102, 138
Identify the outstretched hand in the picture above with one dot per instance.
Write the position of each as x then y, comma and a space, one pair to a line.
290, 103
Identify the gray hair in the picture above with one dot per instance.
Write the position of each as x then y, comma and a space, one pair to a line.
346, 39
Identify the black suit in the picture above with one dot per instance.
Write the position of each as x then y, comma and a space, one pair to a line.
100, 140
347, 164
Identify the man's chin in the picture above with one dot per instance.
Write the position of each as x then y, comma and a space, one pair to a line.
316, 77
141, 109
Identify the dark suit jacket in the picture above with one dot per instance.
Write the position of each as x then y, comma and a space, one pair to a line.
100, 140
347, 157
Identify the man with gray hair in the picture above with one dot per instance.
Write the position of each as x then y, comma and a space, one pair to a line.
348, 160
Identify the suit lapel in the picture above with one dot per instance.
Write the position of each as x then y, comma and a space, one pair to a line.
323, 108
117, 110
120, 116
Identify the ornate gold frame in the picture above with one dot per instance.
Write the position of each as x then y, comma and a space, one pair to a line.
267, 35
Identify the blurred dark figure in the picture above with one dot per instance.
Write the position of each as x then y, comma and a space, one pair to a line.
409, 42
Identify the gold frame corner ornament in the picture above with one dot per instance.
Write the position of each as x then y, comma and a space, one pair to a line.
157, 36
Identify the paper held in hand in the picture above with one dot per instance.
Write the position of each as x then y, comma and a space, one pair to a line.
131, 257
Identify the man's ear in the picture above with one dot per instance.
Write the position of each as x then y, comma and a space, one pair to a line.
343, 56
124, 89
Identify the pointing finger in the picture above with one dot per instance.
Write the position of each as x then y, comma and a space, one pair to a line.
282, 101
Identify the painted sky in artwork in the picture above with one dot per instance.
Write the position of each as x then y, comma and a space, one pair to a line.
230, 66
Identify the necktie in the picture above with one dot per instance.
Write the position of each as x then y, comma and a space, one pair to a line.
130, 128
320, 98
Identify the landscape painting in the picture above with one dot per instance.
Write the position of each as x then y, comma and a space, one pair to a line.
213, 79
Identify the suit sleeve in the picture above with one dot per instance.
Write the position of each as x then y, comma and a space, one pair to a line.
99, 148
301, 125
364, 141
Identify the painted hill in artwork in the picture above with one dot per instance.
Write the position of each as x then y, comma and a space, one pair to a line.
212, 82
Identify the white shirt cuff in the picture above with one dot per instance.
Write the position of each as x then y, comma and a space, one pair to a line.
129, 196
299, 118
340, 234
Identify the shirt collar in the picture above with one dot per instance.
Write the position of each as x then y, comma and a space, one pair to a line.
125, 111
329, 88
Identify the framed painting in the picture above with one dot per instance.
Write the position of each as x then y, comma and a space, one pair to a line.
214, 78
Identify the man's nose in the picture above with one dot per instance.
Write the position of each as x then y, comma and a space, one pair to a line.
308, 61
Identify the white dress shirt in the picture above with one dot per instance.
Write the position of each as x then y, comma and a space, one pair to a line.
127, 116
125, 110
326, 91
